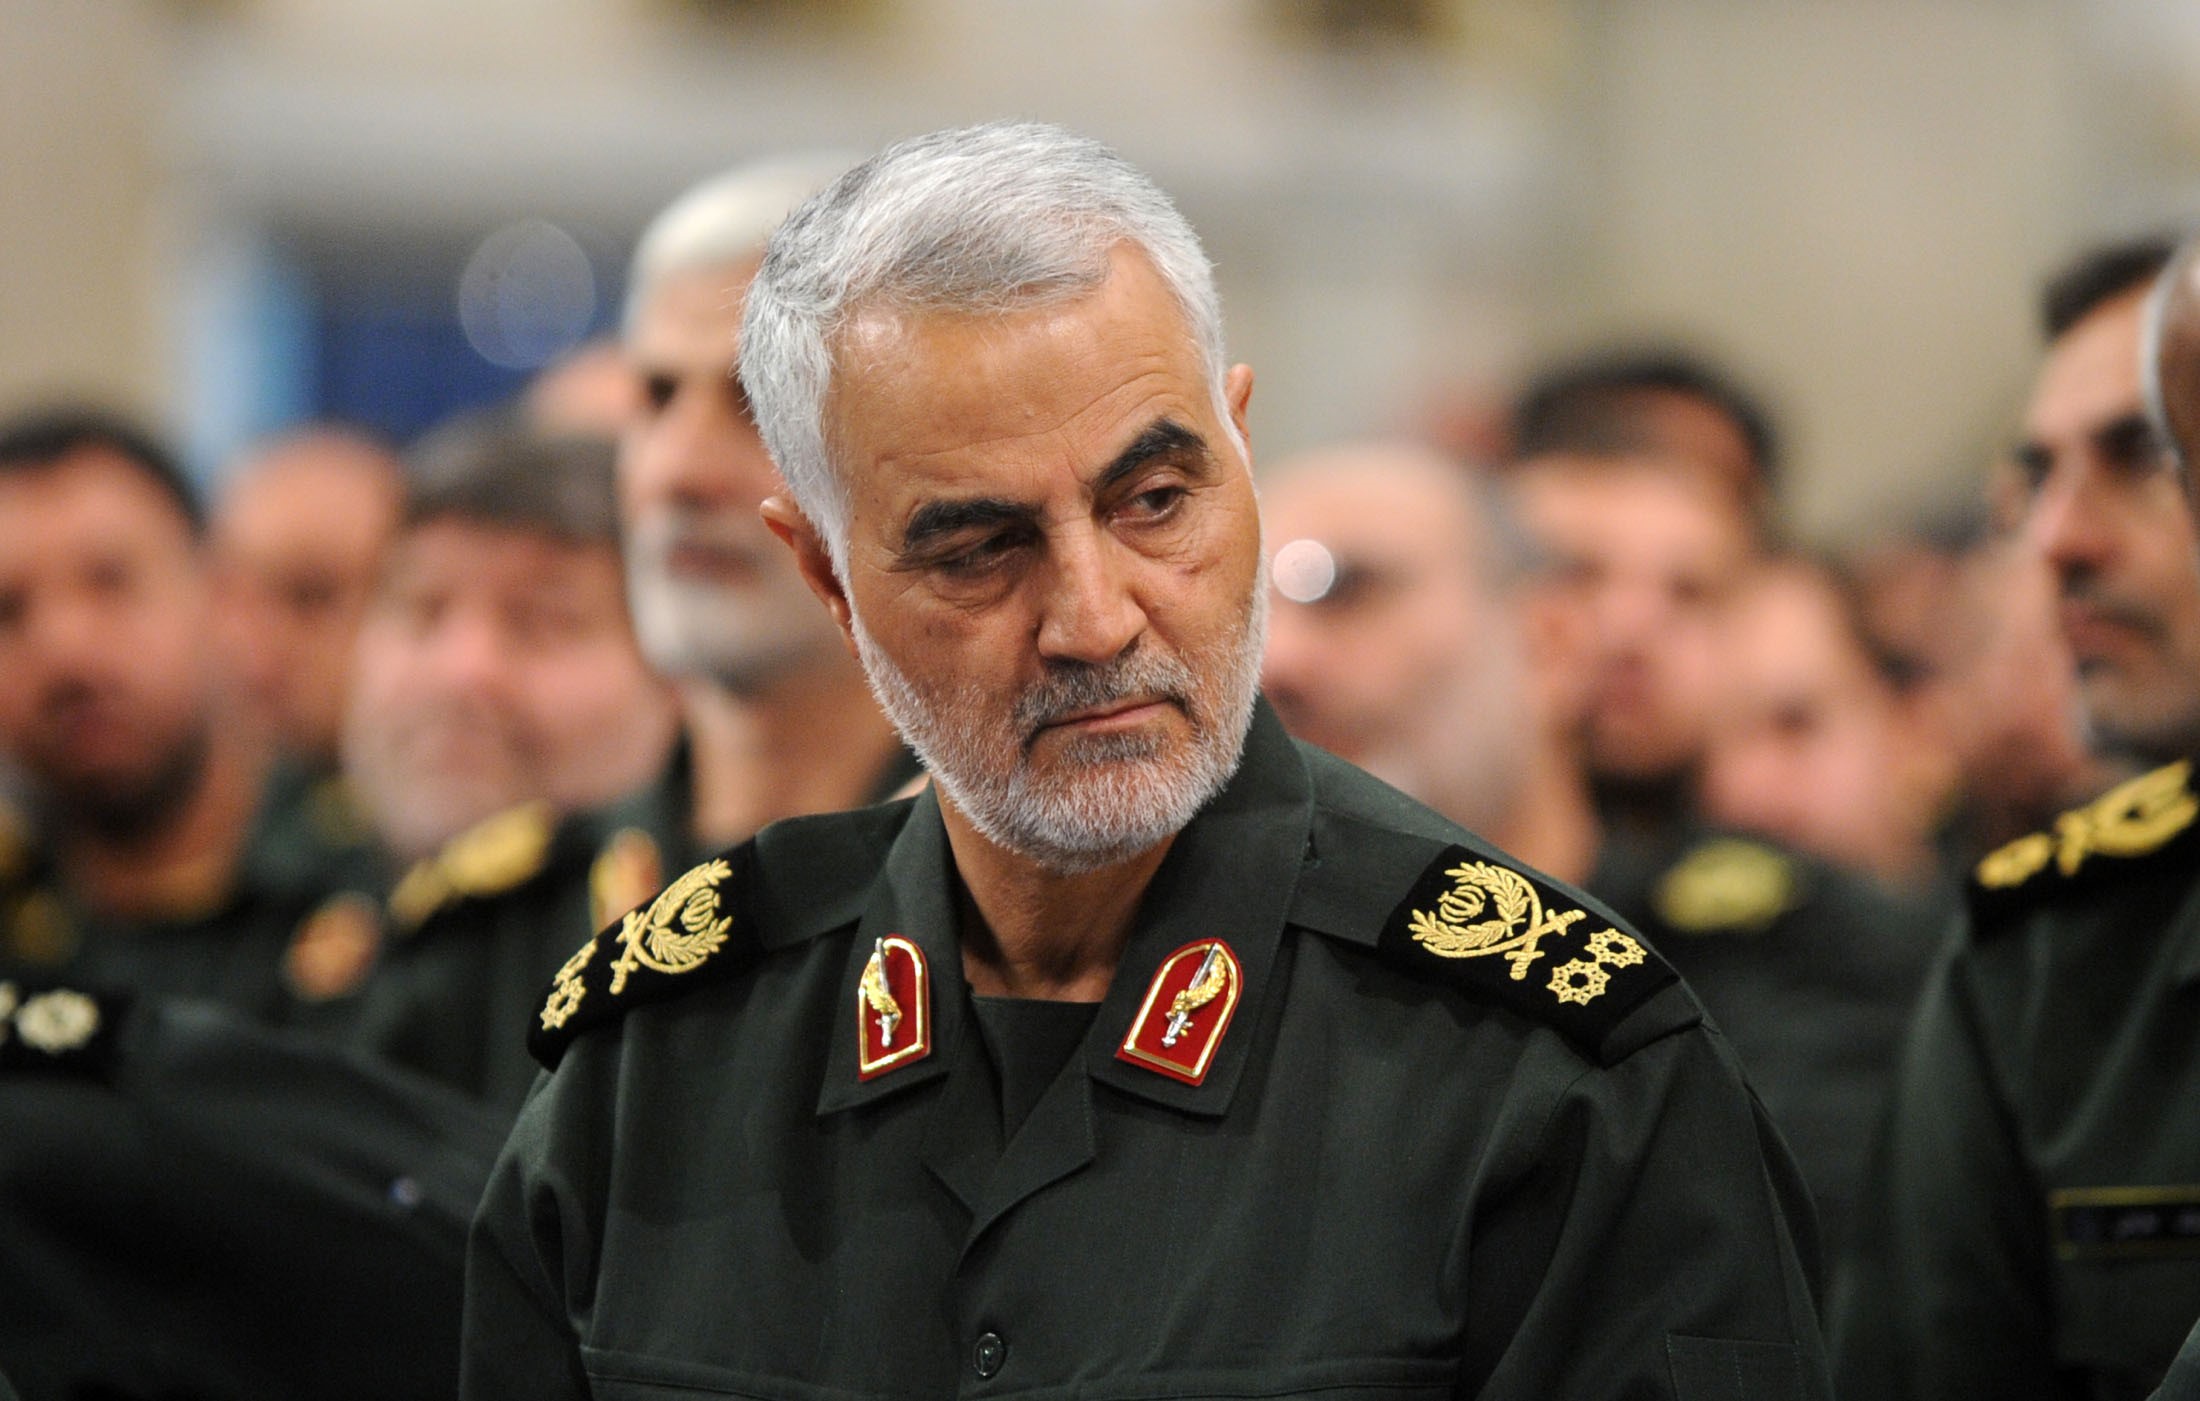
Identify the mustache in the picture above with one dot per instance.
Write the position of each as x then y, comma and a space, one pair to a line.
2090, 594
1071, 687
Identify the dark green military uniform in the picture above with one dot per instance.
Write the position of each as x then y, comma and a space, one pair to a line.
474, 932
1811, 972
192, 1205
2032, 1226
1452, 1132
305, 843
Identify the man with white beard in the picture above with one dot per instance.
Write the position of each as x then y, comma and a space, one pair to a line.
777, 717
1146, 1052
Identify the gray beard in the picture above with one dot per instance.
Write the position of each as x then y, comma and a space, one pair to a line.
1123, 794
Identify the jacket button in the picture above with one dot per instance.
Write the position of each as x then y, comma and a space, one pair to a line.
988, 1355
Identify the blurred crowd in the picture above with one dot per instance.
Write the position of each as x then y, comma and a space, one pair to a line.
311, 788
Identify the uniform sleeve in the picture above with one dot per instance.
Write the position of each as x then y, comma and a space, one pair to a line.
1943, 1292
518, 1339
1655, 1248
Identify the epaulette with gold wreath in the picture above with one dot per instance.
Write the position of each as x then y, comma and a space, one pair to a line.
2138, 824
486, 859
1506, 936
699, 929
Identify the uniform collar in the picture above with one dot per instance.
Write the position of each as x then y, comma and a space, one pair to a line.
1231, 873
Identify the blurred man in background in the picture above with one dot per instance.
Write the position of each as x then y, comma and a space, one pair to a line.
1645, 552
779, 720
296, 543
160, 861
501, 713
1814, 741
1660, 402
1401, 638
2027, 1230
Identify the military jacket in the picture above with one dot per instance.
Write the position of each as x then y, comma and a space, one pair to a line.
193, 1205
305, 843
1375, 1163
1810, 971
2032, 1224
469, 936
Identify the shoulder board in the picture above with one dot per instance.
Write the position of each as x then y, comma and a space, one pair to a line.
488, 858
1727, 885
700, 929
1509, 936
59, 1029
2134, 825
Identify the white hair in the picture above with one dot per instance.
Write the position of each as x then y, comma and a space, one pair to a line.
981, 220
725, 219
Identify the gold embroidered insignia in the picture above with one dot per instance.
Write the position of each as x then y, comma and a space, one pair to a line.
41, 933
335, 949
626, 872
488, 858
567, 989
2130, 819
1518, 924
1199, 986
57, 1021
893, 1008
878, 997
653, 941
1726, 884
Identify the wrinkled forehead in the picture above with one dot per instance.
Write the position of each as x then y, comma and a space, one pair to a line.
916, 383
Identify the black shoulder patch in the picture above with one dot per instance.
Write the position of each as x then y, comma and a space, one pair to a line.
64, 1030
2139, 825
1510, 938
699, 930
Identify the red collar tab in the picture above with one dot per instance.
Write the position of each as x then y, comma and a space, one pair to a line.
1187, 1008
893, 1008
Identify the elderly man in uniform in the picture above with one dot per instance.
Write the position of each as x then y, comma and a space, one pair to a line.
2029, 1230
1146, 1052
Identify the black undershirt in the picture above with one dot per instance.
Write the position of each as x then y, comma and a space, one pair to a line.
1029, 1040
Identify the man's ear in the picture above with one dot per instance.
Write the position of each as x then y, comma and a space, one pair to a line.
1237, 391
813, 560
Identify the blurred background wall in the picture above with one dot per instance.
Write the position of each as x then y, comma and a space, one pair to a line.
231, 214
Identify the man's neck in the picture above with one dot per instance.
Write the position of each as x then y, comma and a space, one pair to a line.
814, 743
183, 864
1553, 823
1029, 932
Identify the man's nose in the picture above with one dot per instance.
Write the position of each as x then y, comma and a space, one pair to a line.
1089, 611
2065, 522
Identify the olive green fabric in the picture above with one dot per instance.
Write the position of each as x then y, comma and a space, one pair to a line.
2030, 1227
1385, 1185
192, 1205
1810, 971
305, 844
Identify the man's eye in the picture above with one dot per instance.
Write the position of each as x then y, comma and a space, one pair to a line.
2033, 464
1156, 501
657, 391
979, 557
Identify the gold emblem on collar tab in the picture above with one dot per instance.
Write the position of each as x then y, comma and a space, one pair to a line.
1188, 1006
893, 1008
